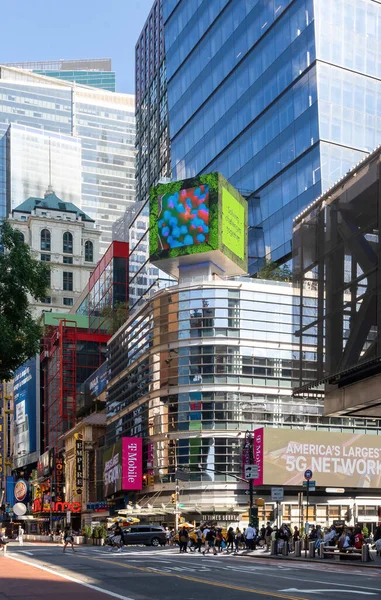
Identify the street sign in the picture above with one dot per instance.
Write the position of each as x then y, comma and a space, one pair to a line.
251, 472
310, 485
308, 474
277, 494
181, 505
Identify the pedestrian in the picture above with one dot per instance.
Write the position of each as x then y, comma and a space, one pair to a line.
21, 536
250, 536
172, 537
3, 540
198, 540
358, 538
68, 538
268, 534
209, 541
237, 539
183, 539
230, 539
167, 536
218, 540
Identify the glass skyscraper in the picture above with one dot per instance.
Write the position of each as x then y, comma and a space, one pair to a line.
102, 122
153, 160
95, 72
281, 96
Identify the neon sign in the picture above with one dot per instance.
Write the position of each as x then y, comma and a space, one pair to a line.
60, 507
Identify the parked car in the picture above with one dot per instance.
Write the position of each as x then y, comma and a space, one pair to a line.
150, 535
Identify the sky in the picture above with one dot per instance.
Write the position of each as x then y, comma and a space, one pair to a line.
50, 30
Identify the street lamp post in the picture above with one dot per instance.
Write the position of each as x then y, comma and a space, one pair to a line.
249, 447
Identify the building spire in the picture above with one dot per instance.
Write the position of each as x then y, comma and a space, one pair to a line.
50, 187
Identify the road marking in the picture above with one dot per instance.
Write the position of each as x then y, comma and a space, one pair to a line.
26, 552
69, 578
328, 590
202, 581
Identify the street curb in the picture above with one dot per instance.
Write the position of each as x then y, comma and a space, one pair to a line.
313, 561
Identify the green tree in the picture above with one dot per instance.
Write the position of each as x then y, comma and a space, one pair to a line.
274, 272
22, 278
113, 317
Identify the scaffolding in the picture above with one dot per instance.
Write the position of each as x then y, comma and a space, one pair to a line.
60, 355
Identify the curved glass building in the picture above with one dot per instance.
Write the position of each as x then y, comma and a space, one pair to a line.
194, 369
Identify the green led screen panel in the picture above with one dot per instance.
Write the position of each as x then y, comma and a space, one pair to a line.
198, 220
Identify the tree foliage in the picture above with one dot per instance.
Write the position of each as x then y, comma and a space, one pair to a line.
114, 316
274, 272
22, 278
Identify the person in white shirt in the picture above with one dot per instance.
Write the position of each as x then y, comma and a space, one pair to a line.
21, 536
250, 537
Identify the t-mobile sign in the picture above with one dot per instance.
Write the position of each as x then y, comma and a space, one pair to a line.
123, 466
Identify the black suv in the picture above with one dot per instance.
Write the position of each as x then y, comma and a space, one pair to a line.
150, 535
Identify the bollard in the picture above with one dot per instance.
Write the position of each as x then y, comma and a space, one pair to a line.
285, 549
311, 549
321, 550
298, 548
274, 547
365, 555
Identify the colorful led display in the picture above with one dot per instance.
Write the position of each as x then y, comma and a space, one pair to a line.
204, 216
184, 218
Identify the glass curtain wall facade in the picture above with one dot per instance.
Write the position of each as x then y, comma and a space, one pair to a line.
104, 123
34, 158
280, 96
152, 135
93, 72
199, 365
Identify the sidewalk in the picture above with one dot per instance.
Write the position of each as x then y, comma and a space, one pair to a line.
20, 581
375, 564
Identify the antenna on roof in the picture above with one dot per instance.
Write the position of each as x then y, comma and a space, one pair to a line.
50, 188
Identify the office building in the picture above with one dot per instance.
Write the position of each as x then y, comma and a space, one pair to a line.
64, 236
336, 264
33, 159
152, 139
190, 372
95, 72
102, 121
281, 97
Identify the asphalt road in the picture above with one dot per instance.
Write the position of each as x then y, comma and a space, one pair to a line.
164, 574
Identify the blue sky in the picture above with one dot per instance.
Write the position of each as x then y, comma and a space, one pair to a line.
49, 30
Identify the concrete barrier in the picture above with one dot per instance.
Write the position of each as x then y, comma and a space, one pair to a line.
274, 547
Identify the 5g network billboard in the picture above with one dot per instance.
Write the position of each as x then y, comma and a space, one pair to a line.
123, 466
198, 220
26, 444
336, 459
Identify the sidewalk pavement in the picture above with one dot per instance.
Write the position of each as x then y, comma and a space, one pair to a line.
20, 581
374, 564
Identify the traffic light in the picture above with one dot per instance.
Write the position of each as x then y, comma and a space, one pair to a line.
144, 480
173, 498
150, 480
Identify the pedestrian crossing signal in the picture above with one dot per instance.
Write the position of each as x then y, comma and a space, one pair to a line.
173, 498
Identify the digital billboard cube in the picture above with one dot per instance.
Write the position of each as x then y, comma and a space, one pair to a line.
198, 220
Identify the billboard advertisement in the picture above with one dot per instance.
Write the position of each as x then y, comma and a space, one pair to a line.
26, 440
335, 459
198, 220
123, 466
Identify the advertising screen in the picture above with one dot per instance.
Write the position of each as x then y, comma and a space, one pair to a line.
233, 224
123, 466
183, 218
335, 459
198, 221
26, 413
